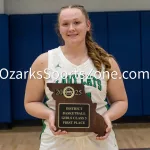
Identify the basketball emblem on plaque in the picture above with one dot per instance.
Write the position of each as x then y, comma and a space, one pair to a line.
75, 111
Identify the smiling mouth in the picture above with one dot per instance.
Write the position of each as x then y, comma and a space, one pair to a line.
72, 35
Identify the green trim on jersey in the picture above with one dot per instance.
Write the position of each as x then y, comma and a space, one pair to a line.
107, 106
43, 124
90, 80
43, 128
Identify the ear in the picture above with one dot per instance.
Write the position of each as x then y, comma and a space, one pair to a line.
88, 25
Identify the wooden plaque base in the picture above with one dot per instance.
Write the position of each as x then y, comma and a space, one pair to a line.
75, 111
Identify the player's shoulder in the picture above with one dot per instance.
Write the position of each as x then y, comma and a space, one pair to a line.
40, 62
113, 62
54, 51
43, 58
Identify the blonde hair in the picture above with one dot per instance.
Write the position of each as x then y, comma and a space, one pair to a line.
97, 54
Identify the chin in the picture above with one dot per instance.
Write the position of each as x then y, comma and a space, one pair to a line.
75, 41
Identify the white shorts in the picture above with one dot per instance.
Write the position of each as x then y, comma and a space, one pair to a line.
85, 142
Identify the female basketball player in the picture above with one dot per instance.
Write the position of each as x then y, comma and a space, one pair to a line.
79, 52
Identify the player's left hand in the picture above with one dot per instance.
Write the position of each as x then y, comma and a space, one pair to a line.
108, 129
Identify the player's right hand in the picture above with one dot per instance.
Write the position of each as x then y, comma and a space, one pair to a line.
52, 126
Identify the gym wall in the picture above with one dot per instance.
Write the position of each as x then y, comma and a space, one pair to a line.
1, 6
27, 30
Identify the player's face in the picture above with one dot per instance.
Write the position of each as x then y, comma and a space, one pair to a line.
73, 26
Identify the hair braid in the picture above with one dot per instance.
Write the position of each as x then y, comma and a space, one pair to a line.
98, 55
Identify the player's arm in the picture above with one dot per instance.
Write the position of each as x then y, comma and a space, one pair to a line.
34, 92
116, 94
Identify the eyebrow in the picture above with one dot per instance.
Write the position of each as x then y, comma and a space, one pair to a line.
73, 19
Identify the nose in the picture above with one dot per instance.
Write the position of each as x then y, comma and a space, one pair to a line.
71, 27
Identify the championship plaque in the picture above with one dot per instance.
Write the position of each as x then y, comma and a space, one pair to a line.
75, 111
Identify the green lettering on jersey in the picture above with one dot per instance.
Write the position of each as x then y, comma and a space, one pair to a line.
89, 81
82, 80
94, 81
99, 84
64, 81
71, 79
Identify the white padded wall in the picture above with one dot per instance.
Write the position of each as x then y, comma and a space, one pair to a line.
1, 6
49, 6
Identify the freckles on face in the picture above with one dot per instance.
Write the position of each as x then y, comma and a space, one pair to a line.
72, 23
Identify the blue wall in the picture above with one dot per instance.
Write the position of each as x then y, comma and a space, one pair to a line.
25, 46
124, 44
5, 98
145, 46
123, 34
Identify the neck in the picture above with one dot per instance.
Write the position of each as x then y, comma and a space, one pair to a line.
79, 50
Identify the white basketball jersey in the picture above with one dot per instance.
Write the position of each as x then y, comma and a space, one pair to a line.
61, 70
